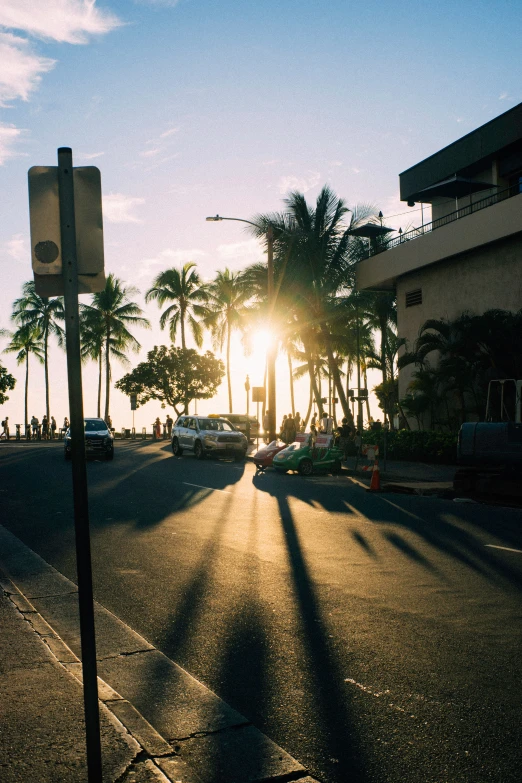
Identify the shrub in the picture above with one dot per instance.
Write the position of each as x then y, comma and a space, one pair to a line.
416, 445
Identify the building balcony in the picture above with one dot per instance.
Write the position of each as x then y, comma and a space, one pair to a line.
480, 223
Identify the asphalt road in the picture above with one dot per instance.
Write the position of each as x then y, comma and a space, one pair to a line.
376, 638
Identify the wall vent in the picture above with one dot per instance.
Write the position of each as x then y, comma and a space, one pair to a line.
414, 297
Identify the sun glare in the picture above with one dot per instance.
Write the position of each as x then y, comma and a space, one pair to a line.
260, 343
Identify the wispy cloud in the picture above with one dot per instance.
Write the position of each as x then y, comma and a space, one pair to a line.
247, 252
20, 69
146, 267
65, 21
150, 153
18, 247
118, 208
9, 136
169, 132
302, 184
89, 155
505, 96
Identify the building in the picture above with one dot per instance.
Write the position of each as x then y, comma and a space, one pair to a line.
469, 258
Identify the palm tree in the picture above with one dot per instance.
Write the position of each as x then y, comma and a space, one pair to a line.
312, 257
227, 309
24, 341
92, 335
40, 314
113, 307
187, 293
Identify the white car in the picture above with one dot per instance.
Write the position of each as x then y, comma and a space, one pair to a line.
204, 436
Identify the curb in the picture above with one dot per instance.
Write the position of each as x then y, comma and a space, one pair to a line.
214, 741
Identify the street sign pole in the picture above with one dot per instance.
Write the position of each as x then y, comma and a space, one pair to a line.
79, 474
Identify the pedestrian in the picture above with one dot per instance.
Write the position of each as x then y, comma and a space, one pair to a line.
313, 423
45, 427
5, 428
108, 422
266, 425
345, 434
282, 430
169, 422
34, 426
247, 430
53, 427
157, 427
298, 422
290, 429
65, 424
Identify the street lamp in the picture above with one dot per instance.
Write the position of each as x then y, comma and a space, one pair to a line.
369, 231
271, 357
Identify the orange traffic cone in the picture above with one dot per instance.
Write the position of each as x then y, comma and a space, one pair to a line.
375, 485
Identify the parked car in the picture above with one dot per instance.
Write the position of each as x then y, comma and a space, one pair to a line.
264, 458
99, 440
307, 457
239, 420
206, 435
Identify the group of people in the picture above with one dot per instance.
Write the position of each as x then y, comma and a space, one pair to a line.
323, 425
167, 427
47, 429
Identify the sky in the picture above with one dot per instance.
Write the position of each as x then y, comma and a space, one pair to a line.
198, 107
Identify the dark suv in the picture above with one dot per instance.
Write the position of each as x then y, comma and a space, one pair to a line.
99, 440
204, 435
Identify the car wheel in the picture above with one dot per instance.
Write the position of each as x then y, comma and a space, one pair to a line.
336, 467
176, 448
109, 455
306, 467
198, 450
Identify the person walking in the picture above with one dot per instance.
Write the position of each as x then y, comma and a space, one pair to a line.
266, 425
298, 422
5, 428
283, 429
34, 426
157, 427
53, 427
108, 422
169, 422
45, 428
345, 434
290, 429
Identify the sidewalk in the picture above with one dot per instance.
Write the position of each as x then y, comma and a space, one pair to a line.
158, 723
414, 478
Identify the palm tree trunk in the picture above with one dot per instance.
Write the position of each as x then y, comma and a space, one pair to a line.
365, 376
107, 372
99, 382
291, 383
26, 387
46, 372
228, 371
310, 400
337, 378
182, 327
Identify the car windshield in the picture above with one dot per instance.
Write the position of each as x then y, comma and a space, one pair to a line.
296, 446
215, 425
95, 425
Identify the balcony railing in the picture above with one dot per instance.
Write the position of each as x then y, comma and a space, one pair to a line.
461, 212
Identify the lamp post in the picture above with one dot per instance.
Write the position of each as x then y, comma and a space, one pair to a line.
369, 231
271, 354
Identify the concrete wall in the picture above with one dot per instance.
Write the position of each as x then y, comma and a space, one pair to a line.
489, 277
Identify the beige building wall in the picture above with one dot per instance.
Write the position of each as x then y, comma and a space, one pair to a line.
485, 278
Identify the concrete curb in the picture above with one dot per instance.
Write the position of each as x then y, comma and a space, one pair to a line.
192, 735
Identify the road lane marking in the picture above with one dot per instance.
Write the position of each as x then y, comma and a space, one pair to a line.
213, 489
506, 548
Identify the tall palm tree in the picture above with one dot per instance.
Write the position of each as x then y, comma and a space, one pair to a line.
92, 336
42, 314
114, 308
227, 309
184, 288
312, 248
24, 341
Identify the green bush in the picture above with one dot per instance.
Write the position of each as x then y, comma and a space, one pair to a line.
416, 445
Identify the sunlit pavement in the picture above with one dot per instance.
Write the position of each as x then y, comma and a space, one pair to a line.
374, 637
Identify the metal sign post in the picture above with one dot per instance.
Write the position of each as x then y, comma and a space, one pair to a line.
79, 474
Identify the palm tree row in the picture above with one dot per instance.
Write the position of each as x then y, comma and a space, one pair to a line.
316, 317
